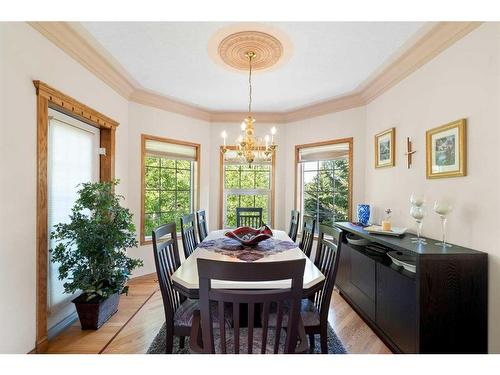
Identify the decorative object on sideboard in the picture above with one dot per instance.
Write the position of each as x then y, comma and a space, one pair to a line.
377, 229
443, 209
385, 148
409, 152
356, 240
446, 150
404, 259
363, 214
417, 211
386, 223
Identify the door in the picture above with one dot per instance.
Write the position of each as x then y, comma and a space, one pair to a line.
73, 158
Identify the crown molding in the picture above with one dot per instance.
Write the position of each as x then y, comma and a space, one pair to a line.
273, 117
428, 46
73, 39
152, 99
341, 103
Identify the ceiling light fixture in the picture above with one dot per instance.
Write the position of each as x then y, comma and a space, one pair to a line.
249, 147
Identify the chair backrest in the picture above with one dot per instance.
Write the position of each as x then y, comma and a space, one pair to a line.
294, 225
201, 220
249, 217
188, 233
308, 228
293, 270
327, 260
166, 254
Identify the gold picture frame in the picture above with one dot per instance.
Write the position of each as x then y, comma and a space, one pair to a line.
385, 148
446, 150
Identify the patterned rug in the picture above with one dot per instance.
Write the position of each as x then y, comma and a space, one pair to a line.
158, 345
233, 248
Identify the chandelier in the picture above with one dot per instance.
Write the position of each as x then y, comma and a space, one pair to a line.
249, 147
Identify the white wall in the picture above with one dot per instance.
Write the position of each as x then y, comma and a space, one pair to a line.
25, 55
345, 124
152, 121
462, 82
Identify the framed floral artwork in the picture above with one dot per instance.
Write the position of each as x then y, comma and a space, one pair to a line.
446, 150
385, 145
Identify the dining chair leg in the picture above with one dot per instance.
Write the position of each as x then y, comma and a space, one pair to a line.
181, 341
324, 339
311, 343
169, 347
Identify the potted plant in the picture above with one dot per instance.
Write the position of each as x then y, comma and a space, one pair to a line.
91, 252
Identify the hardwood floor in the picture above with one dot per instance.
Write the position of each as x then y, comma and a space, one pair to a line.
140, 317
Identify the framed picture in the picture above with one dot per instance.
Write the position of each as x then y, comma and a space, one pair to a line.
446, 150
385, 145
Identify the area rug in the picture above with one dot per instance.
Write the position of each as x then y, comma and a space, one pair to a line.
158, 344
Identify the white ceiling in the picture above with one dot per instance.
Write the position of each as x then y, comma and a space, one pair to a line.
329, 59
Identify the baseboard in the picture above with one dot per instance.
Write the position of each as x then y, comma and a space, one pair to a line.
62, 325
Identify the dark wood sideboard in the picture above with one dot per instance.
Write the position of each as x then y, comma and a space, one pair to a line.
441, 308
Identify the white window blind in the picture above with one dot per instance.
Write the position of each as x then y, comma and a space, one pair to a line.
327, 152
170, 150
73, 158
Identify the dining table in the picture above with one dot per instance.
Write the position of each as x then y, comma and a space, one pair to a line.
217, 246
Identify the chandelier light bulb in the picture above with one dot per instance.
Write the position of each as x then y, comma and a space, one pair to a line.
224, 136
243, 125
273, 130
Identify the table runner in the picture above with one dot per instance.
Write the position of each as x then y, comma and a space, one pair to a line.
233, 248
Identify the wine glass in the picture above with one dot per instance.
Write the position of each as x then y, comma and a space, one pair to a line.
443, 209
418, 213
417, 199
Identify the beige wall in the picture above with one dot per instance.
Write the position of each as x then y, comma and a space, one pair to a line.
153, 121
25, 55
462, 82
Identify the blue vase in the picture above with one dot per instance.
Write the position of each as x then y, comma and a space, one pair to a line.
363, 214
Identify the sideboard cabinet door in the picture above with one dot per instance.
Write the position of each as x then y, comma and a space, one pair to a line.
396, 308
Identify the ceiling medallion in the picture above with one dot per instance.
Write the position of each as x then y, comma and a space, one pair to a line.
234, 48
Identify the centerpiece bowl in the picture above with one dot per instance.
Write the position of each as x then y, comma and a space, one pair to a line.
250, 236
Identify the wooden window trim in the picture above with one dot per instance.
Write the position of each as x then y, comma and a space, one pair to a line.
221, 185
325, 143
197, 146
49, 97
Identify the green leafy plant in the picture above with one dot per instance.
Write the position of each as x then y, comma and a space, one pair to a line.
91, 247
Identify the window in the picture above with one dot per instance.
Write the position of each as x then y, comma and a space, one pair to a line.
324, 180
66, 170
246, 186
169, 188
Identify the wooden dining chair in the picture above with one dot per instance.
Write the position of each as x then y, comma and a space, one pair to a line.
294, 225
250, 339
201, 221
249, 217
307, 239
166, 254
314, 311
178, 309
188, 234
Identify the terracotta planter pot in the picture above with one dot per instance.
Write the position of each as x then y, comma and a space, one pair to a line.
94, 314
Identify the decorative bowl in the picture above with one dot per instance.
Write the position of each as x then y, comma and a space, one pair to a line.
250, 236
357, 240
